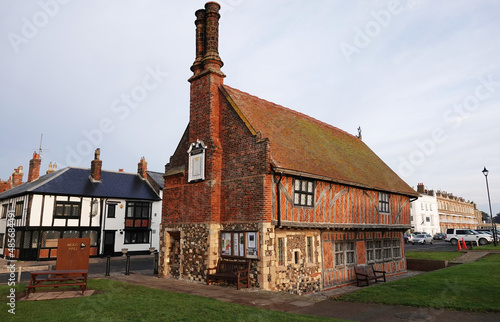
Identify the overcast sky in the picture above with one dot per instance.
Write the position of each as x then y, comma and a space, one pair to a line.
421, 78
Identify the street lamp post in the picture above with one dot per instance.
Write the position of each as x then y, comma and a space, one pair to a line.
485, 172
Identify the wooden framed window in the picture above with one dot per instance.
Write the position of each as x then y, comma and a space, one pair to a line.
378, 250
350, 253
67, 209
239, 244
281, 251
138, 209
370, 251
339, 254
111, 210
137, 236
396, 248
4, 211
309, 249
18, 212
383, 202
345, 253
387, 249
304, 192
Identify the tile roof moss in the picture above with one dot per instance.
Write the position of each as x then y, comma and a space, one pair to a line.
303, 144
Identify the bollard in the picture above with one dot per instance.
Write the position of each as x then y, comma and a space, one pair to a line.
19, 274
127, 265
108, 265
155, 263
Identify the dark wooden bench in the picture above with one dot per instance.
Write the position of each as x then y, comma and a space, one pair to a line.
367, 273
56, 278
231, 271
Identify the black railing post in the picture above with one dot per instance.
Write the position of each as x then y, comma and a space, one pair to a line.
108, 265
127, 265
155, 263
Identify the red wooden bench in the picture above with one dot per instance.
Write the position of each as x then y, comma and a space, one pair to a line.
56, 278
367, 273
237, 271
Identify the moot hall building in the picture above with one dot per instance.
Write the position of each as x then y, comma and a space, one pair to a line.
300, 199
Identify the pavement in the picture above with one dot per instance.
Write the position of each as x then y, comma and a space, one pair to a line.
318, 304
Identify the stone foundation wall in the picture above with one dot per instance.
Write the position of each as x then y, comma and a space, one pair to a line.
300, 272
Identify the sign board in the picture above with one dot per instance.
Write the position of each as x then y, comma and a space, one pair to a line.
73, 253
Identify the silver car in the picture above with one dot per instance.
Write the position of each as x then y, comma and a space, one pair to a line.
422, 239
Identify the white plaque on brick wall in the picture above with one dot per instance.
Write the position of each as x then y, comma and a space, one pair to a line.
196, 171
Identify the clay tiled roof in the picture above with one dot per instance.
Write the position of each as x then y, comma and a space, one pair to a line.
304, 145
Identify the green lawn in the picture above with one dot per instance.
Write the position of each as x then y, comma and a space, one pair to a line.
469, 287
443, 256
124, 302
488, 247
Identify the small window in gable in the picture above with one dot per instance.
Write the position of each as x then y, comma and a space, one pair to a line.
304, 192
196, 152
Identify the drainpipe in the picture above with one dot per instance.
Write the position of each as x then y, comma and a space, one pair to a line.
102, 224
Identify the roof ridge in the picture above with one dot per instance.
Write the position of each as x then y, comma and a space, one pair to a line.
41, 183
315, 120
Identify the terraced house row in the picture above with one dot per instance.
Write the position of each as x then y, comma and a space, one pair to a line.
300, 199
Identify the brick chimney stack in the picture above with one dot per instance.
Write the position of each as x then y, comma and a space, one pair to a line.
421, 188
142, 168
17, 177
34, 169
207, 40
205, 105
95, 166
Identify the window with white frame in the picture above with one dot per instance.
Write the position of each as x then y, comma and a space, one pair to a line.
383, 202
303, 192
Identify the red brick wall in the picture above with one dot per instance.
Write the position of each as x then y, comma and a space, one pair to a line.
237, 186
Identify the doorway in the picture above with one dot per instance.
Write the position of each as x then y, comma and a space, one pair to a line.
109, 242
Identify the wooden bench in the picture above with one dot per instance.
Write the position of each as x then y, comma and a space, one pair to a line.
56, 278
368, 273
226, 270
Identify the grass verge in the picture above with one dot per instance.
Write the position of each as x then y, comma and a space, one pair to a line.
468, 287
442, 256
118, 301
488, 247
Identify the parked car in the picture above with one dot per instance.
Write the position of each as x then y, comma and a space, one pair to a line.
439, 236
410, 237
469, 235
422, 239
489, 232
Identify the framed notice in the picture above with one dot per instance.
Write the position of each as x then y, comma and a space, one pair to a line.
251, 244
239, 244
226, 244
